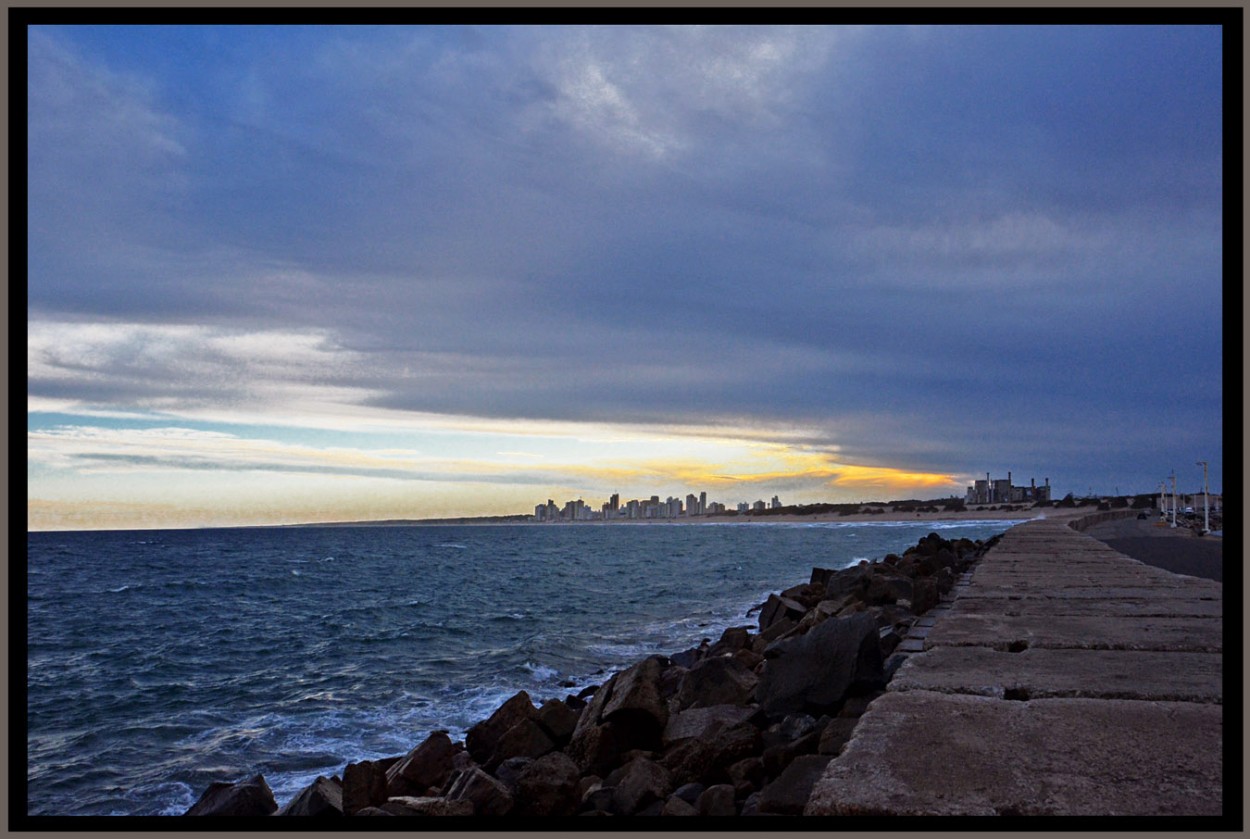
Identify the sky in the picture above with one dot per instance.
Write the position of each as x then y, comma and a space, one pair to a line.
305, 273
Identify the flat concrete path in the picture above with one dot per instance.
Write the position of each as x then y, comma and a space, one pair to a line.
1066, 679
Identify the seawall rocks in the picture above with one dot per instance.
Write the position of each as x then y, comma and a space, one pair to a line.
742, 726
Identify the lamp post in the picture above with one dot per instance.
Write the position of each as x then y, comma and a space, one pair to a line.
1173, 498
1206, 500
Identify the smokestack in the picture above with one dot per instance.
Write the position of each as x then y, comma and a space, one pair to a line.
1008, 477
1033, 483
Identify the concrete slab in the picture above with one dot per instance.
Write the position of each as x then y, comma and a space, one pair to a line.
931, 754
1137, 606
1089, 592
1087, 632
1049, 674
1140, 607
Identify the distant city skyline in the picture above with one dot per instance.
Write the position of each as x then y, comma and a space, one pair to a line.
284, 274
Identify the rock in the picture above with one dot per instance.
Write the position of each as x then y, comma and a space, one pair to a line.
776, 608
846, 581
716, 681
795, 726
886, 588
406, 805
750, 658
776, 758
835, 735
597, 748
643, 782
428, 765
778, 630
548, 787
482, 739
598, 798
678, 807
323, 797
806, 595
372, 811
635, 692
252, 797
924, 595
509, 771
814, 671
731, 640
889, 638
706, 760
558, 720
746, 776
364, 784
525, 739
717, 800
489, 796
655, 808
705, 723
689, 792
688, 658
855, 706
788, 794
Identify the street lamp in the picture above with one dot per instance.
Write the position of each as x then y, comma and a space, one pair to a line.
1206, 502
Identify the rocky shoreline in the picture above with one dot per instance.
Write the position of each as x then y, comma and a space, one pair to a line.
743, 726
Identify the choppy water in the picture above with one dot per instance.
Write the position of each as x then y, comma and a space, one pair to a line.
161, 661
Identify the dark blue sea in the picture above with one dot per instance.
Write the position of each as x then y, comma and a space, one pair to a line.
162, 661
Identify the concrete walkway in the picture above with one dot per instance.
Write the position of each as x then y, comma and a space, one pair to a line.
1065, 679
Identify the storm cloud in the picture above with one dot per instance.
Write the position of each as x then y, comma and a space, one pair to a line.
949, 248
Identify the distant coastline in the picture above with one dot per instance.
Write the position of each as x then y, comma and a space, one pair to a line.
888, 515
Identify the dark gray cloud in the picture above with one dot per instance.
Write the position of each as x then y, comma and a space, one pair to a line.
956, 248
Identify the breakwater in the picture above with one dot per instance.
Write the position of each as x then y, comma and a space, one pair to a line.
1067, 679
745, 725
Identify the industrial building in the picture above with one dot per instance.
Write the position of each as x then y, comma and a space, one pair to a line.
1001, 491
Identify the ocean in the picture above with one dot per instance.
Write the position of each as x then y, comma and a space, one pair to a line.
159, 662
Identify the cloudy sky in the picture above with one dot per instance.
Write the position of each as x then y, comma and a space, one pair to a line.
314, 273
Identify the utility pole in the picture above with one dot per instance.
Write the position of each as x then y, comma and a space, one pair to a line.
1163, 504
1206, 500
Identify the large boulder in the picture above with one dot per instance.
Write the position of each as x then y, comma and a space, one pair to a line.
731, 640
424, 805
724, 680
548, 787
635, 692
717, 800
787, 796
705, 722
427, 766
482, 739
887, 588
627, 712
490, 797
252, 797
323, 797
813, 672
558, 720
776, 607
525, 739
364, 784
642, 783
706, 760
837, 583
